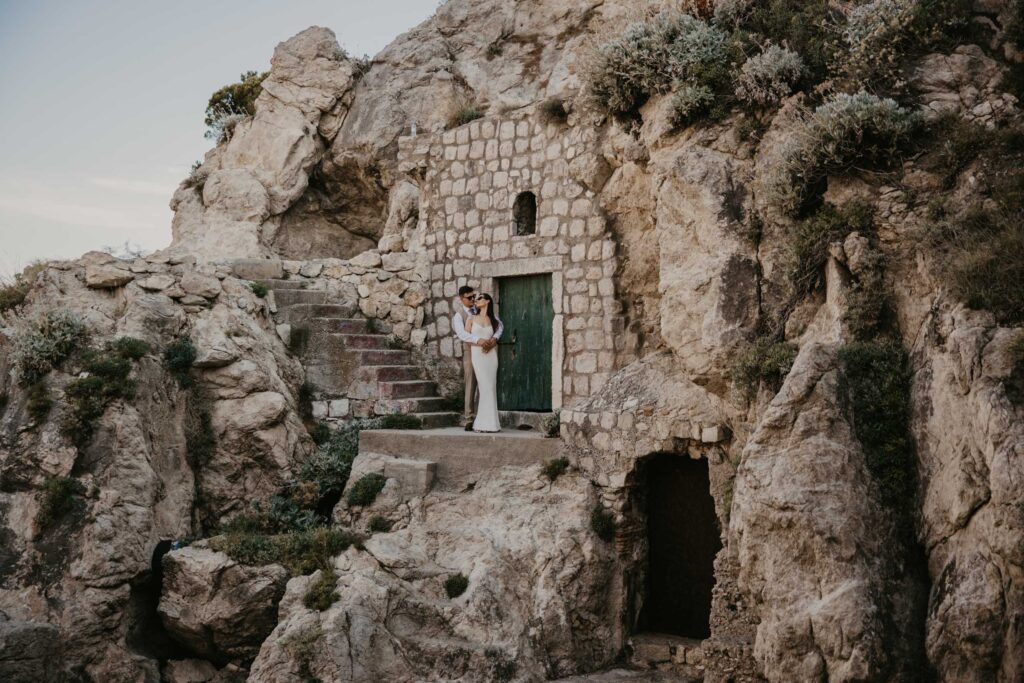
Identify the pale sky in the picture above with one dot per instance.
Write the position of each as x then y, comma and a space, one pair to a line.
101, 105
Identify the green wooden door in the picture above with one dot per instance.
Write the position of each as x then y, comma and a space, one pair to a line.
524, 351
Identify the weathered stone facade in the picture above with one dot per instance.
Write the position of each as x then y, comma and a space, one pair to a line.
469, 179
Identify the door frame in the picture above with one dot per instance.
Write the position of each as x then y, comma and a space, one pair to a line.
488, 272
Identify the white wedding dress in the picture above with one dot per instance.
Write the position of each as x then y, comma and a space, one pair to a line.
485, 367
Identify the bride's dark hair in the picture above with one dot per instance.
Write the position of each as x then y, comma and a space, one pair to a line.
492, 311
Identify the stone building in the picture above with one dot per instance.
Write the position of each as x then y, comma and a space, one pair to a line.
509, 206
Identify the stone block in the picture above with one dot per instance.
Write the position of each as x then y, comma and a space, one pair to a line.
258, 269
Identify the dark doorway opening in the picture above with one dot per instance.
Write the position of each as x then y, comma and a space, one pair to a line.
683, 539
524, 213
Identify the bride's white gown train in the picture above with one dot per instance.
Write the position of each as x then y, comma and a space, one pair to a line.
485, 367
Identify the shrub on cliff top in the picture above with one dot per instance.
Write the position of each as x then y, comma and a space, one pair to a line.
48, 340
321, 594
846, 132
764, 360
809, 241
365, 490
106, 380
232, 103
803, 26
301, 552
657, 55
178, 358
769, 76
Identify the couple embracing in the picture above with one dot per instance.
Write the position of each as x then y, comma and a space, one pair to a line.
477, 326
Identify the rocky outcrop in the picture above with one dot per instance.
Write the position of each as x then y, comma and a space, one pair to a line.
816, 550
218, 609
534, 608
29, 651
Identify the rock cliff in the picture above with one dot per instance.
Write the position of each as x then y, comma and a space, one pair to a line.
789, 266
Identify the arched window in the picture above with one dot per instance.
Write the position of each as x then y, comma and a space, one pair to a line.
524, 213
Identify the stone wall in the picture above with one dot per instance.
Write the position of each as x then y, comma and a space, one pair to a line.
469, 178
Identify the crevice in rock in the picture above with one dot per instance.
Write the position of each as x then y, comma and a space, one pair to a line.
146, 634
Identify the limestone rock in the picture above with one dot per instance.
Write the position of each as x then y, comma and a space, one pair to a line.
30, 652
107, 276
198, 284
216, 607
156, 283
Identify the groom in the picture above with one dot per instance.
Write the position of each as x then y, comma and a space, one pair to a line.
464, 308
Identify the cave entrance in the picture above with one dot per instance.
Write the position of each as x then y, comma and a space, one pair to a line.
683, 539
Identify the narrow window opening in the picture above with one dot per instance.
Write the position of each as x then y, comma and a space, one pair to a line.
524, 213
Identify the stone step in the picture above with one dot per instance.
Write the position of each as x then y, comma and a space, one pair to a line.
284, 284
624, 676
392, 373
407, 389
424, 404
386, 357
302, 312
438, 420
459, 454
365, 341
290, 297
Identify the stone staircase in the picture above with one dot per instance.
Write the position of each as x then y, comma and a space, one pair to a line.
355, 371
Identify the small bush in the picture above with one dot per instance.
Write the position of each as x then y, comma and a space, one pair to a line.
868, 313
808, 245
56, 498
38, 403
14, 292
232, 103
300, 552
455, 585
463, 113
844, 132
196, 177
399, 421
770, 76
321, 433
986, 266
321, 595
803, 26
689, 103
259, 289
877, 379
107, 380
48, 340
365, 490
663, 53
555, 468
129, 348
765, 361
178, 358
553, 110
380, 524
602, 522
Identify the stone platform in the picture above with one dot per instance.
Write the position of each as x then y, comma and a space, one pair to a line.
459, 454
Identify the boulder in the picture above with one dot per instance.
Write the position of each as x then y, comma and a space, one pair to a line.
197, 284
107, 276
217, 608
30, 652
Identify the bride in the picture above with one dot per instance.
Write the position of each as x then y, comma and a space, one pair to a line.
485, 365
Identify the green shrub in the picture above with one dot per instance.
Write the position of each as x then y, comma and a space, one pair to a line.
845, 132
107, 380
764, 360
38, 403
455, 585
129, 348
555, 467
178, 358
232, 103
301, 552
321, 433
803, 26
56, 498
689, 103
768, 77
12, 294
868, 312
365, 490
666, 52
259, 289
877, 380
986, 267
808, 244
553, 110
399, 421
602, 522
321, 594
47, 341
380, 524
463, 113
